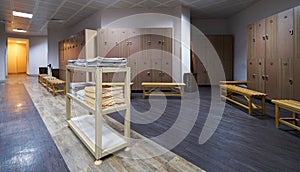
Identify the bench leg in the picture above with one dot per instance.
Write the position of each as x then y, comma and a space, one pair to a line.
144, 92
263, 105
250, 105
277, 115
295, 118
53, 89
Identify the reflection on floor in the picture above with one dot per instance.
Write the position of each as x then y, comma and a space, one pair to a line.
25, 143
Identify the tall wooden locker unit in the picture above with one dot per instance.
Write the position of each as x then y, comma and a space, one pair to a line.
271, 76
80, 45
285, 52
262, 67
252, 76
296, 62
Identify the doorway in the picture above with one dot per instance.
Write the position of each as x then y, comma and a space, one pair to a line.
18, 51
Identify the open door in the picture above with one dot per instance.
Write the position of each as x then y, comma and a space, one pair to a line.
17, 55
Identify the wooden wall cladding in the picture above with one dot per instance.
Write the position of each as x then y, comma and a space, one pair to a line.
276, 43
223, 45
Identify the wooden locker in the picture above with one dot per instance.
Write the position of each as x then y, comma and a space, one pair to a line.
166, 66
261, 74
133, 55
201, 44
252, 74
103, 48
156, 52
297, 32
286, 78
260, 44
286, 34
228, 44
144, 62
251, 41
296, 79
217, 42
112, 43
271, 37
271, 78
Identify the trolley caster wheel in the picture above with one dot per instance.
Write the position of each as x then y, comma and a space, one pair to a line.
98, 162
127, 149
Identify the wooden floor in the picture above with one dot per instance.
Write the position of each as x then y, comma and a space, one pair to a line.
241, 142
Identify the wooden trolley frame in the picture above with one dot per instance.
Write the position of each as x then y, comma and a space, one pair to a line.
96, 146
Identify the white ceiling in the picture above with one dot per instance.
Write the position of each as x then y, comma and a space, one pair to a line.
70, 12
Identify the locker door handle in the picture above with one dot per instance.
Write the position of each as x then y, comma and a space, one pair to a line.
291, 81
264, 37
267, 37
148, 73
263, 77
291, 32
149, 42
267, 77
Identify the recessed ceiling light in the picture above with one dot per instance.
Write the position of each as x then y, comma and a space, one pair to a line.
21, 14
19, 30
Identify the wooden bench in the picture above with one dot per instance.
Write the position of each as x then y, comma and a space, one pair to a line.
228, 91
40, 77
291, 105
55, 86
166, 88
233, 82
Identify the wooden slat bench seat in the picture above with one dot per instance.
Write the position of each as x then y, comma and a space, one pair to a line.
40, 77
166, 88
228, 91
44, 80
55, 86
234, 82
291, 105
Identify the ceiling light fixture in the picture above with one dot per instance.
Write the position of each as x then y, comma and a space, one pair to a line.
19, 30
21, 14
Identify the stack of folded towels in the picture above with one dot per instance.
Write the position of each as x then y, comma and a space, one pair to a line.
110, 96
99, 62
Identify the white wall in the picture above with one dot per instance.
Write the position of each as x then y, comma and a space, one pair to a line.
185, 40
38, 54
211, 26
3, 49
54, 36
238, 26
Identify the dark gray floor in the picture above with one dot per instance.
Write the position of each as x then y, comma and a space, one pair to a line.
25, 143
240, 143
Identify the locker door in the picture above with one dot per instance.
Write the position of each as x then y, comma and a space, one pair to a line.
166, 65
271, 78
134, 54
144, 62
228, 56
217, 42
201, 52
112, 40
103, 44
296, 81
297, 31
286, 34
252, 75
260, 44
270, 37
286, 79
261, 74
250, 41
156, 54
